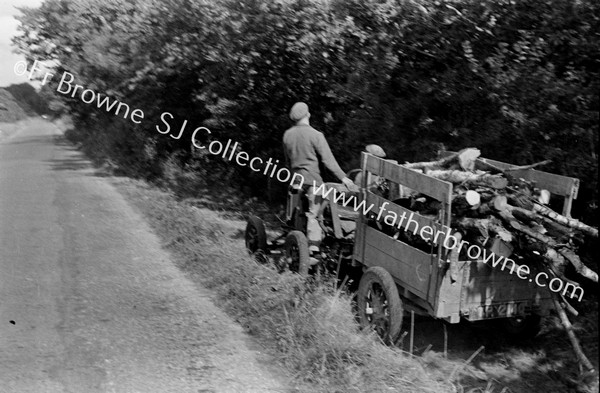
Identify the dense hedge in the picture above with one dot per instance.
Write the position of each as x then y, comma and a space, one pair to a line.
518, 79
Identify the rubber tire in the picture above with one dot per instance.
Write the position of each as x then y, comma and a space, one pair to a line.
296, 240
257, 226
526, 330
379, 276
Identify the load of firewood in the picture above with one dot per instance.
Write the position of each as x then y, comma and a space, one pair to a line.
491, 202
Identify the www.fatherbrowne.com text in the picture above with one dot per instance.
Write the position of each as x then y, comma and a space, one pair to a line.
447, 239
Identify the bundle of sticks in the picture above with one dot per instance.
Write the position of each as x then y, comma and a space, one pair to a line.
491, 202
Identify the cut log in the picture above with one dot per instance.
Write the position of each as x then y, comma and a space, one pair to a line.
555, 262
492, 204
520, 199
567, 253
580, 267
570, 222
543, 197
465, 202
480, 179
473, 198
523, 215
467, 158
564, 319
530, 166
568, 307
464, 159
500, 202
528, 217
484, 165
561, 233
487, 166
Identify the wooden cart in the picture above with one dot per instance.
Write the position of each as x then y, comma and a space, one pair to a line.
398, 276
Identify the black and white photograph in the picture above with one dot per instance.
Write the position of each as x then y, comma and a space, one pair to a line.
299, 196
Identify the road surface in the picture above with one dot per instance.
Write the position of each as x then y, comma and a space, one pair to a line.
88, 300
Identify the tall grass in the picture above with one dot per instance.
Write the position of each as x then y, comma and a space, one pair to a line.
308, 325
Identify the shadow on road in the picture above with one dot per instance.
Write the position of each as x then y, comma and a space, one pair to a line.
69, 164
75, 160
39, 140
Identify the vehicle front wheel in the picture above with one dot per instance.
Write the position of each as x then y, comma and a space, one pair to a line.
256, 236
379, 305
297, 253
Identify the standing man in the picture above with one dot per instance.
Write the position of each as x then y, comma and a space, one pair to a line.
304, 148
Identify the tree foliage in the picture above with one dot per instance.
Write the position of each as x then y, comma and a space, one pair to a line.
519, 80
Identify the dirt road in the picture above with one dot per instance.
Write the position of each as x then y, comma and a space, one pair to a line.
88, 300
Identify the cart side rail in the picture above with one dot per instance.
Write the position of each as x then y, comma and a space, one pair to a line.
430, 186
418, 221
415, 272
564, 186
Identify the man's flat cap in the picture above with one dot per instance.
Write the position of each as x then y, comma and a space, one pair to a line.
299, 111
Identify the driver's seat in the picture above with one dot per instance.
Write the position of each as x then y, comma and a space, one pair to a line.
343, 218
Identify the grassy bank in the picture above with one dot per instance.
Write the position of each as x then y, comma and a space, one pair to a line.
309, 327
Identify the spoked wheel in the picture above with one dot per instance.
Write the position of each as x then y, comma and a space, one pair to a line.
256, 238
379, 305
297, 253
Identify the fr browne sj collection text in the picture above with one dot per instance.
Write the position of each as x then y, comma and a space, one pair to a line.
230, 151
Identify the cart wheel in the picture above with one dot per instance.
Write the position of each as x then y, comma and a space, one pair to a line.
256, 236
522, 328
296, 251
379, 305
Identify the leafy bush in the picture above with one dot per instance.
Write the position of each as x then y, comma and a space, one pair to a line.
519, 80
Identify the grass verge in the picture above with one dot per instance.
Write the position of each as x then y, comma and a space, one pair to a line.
308, 326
